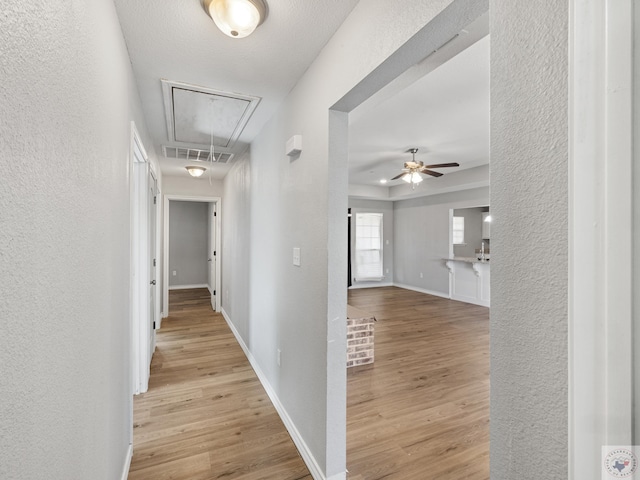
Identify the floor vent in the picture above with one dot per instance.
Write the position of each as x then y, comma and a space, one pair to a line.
195, 154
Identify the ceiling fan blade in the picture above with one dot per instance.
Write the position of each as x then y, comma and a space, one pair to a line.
398, 176
442, 165
431, 172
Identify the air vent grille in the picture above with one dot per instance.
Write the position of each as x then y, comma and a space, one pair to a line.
195, 154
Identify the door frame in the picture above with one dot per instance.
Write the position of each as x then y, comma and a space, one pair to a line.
601, 206
140, 170
213, 234
153, 179
165, 263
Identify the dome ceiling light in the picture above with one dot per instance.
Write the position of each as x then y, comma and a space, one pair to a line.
236, 18
195, 171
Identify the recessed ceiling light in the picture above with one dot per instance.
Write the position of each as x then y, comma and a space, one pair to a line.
384, 180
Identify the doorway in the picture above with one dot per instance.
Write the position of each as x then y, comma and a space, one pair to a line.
209, 263
384, 84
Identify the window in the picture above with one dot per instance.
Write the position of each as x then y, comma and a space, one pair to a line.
458, 230
368, 251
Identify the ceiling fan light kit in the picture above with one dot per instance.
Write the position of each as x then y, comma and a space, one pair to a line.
236, 18
195, 171
413, 178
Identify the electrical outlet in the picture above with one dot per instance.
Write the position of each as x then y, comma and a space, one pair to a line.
387, 270
174, 273
296, 256
279, 357
421, 276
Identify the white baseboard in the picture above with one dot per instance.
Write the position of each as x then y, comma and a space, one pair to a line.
338, 476
210, 289
186, 287
472, 300
370, 285
421, 290
127, 463
303, 449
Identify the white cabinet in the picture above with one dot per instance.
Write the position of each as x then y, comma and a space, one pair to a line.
486, 226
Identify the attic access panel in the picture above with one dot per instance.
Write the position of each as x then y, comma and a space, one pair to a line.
192, 111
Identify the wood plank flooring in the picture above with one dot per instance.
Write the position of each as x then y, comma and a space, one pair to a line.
420, 412
206, 415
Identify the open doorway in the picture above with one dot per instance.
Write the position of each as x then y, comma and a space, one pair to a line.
191, 246
428, 387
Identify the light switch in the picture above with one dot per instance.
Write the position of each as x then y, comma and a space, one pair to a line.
296, 256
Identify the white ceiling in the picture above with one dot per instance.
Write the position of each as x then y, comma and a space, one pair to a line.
176, 40
444, 113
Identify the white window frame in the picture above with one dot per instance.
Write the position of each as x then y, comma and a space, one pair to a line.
365, 273
454, 230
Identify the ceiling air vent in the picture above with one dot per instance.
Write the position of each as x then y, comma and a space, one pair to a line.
195, 154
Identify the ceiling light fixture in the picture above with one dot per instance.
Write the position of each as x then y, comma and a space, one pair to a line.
195, 171
412, 177
411, 173
383, 181
236, 18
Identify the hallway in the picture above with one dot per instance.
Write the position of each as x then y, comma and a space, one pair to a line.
423, 406
206, 415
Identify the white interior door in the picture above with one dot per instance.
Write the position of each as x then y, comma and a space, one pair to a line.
152, 200
213, 254
140, 271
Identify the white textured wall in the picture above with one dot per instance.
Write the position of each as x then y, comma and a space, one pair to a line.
67, 97
236, 241
188, 243
190, 186
422, 237
529, 201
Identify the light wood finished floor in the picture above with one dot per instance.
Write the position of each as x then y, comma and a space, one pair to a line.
206, 416
421, 411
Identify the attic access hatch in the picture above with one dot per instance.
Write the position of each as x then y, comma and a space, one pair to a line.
193, 112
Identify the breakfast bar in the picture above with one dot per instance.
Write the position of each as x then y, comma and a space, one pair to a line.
469, 280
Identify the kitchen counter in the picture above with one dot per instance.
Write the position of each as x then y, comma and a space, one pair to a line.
467, 260
469, 280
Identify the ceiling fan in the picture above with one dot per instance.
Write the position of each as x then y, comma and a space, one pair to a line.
411, 173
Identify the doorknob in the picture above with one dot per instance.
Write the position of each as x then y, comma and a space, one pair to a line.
209, 260
153, 282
